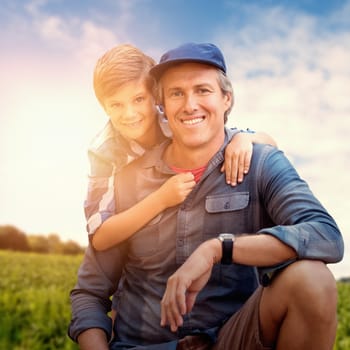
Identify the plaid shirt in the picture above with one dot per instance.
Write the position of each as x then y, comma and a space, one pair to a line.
108, 153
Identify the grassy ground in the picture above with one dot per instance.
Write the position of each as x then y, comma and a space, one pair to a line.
34, 300
35, 308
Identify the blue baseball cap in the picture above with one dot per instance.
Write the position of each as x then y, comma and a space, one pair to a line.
201, 53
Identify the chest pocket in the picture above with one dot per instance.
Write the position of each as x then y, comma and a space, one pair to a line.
225, 203
226, 213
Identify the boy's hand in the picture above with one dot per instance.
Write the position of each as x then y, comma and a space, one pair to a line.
175, 190
238, 155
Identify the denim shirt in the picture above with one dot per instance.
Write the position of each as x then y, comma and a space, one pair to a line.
272, 199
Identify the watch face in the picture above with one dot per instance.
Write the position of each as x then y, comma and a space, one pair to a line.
227, 240
223, 236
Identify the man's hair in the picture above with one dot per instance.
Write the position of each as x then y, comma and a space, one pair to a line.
224, 84
120, 65
226, 88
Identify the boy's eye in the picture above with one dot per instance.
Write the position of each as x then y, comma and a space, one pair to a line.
139, 99
116, 105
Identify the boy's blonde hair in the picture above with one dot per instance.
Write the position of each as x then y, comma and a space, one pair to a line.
120, 65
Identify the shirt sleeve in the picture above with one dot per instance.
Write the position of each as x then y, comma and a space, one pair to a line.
108, 153
99, 204
98, 278
303, 223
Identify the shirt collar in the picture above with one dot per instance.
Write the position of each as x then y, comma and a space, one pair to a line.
154, 157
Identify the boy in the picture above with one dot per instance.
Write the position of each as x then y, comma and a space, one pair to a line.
127, 93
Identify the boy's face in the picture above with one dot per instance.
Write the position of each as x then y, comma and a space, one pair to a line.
133, 113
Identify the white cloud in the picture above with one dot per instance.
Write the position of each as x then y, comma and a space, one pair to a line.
54, 29
291, 76
95, 41
295, 70
36, 29
33, 7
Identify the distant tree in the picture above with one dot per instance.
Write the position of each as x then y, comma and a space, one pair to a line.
38, 243
55, 244
72, 247
12, 238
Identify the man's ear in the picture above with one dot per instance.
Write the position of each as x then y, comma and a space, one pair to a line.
232, 99
228, 100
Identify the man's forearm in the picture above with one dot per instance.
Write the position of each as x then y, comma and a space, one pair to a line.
261, 250
254, 250
93, 339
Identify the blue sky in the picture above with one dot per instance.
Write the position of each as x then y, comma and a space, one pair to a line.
289, 62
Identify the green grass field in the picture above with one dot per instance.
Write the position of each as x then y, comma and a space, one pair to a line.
34, 300
35, 309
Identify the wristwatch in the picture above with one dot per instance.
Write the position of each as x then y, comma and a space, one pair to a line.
227, 240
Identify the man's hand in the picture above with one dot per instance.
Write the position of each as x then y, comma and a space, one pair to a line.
185, 284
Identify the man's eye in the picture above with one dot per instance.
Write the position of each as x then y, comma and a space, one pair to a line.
176, 94
139, 99
115, 105
203, 91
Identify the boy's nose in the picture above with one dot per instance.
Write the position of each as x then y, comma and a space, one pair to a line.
129, 112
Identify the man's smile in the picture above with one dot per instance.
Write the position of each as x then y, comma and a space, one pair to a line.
193, 121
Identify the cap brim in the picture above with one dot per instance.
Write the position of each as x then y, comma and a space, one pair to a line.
158, 70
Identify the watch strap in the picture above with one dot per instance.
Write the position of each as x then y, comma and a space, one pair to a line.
227, 248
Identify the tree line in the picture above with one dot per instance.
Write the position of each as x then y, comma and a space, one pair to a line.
12, 238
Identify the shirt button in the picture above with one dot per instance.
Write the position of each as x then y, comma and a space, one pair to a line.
180, 242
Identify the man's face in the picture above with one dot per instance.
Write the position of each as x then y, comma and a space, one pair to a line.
132, 112
194, 105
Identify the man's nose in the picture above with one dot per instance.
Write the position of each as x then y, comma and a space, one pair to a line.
190, 103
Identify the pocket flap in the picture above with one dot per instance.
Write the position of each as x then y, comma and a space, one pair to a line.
225, 202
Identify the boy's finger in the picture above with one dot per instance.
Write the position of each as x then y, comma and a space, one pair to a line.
240, 169
247, 160
233, 173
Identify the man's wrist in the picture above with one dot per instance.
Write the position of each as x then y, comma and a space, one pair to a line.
92, 339
216, 248
227, 242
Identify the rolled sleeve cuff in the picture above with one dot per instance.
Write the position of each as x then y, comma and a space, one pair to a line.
87, 320
297, 239
310, 241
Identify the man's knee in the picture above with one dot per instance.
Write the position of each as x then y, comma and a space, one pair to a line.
311, 283
305, 290
310, 274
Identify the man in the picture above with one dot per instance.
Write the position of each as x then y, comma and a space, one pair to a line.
212, 298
